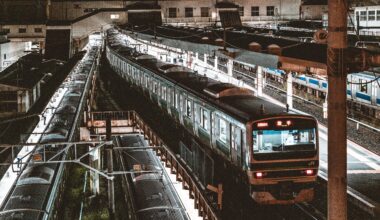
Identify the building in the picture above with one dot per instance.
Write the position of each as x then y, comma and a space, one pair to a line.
10, 52
20, 89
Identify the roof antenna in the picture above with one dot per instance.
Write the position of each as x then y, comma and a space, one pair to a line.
262, 110
287, 107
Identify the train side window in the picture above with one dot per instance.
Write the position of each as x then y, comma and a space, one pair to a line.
363, 86
222, 130
204, 119
177, 100
163, 93
188, 108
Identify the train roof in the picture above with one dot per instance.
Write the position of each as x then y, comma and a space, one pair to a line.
238, 102
154, 196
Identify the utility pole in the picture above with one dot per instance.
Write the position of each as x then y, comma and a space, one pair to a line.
337, 115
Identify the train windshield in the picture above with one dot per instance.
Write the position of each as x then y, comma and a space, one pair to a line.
274, 141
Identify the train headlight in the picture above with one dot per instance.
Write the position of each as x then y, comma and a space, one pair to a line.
309, 172
259, 175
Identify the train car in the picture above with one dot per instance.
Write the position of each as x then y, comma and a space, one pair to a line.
151, 193
276, 150
38, 189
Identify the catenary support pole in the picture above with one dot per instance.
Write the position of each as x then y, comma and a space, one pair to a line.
111, 187
337, 115
289, 90
259, 81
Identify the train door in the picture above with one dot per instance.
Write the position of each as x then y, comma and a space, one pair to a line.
235, 144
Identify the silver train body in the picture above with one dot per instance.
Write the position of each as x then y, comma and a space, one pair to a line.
151, 194
362, 88
37, 191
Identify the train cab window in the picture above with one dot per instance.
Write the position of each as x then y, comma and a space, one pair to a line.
188, 108
267, 141
204, 118
363, 86
222, 130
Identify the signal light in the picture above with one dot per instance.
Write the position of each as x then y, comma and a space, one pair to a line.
288, 122
279, 123
259, 175
262, 124
309, 172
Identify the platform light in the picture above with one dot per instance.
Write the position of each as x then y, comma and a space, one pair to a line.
288, 122
279, 123
262, 124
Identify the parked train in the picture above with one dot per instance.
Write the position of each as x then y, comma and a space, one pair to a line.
37, 191
151, 194
362, 88
276, 150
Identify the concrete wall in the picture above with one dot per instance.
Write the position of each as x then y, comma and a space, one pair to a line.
285, 9
69, 10
10, 52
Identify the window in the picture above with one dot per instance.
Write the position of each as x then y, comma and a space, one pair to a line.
22, 30
222, 130
188, 108
241, 11
378, 15
204, 119
270, 10
115, 16
7, 30
255, 11
363, 86
363, 16
371, 15
5, 56
205, 12
268, 141
163, 93
172, 12
38, 30
188, 12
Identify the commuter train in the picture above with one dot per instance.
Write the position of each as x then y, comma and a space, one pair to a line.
151, 194
276, 151
362, 88
37, 191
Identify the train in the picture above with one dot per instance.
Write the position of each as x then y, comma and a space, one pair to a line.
151, 193
363, 88
38, 190
275, 150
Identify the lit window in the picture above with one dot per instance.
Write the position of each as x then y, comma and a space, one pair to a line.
371, 15
223, 130
115, 16
188, 109
204, 119
363, 16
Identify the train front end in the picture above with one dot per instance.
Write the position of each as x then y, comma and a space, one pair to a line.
283, 158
